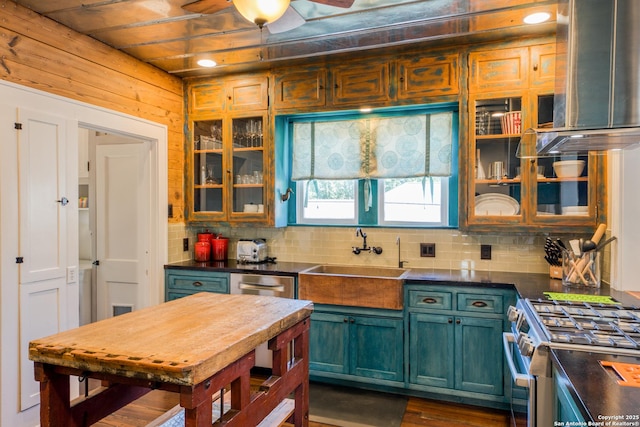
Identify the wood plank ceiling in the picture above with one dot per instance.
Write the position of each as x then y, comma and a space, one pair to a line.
162, 33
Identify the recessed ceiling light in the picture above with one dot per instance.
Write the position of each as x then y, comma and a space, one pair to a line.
207, 63
537, 18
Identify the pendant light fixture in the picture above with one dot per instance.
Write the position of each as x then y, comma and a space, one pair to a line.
261, 12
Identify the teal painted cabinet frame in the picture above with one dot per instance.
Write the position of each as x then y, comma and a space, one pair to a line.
181, 282
565, 407
354, 344
454, 343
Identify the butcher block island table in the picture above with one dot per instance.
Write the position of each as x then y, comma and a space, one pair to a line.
194, 346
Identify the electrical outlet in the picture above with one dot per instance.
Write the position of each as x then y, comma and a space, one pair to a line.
485, 251
428, 250
185, 244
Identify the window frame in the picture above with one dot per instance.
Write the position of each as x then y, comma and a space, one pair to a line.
370, 218
325, 221
444, 209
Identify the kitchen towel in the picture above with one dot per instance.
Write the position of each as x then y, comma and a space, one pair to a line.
350, 407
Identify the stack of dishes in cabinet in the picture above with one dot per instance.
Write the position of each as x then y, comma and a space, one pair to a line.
496, 204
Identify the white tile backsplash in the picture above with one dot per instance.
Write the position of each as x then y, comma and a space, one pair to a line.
332, 245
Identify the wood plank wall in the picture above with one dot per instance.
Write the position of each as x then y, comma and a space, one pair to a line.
40, 53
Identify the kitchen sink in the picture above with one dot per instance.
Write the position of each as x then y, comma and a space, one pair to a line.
360, 286
356, 270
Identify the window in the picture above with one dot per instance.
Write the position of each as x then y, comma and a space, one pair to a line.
394, 168
413, 201
327, 202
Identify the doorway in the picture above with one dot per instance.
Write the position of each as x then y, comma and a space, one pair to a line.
115, 198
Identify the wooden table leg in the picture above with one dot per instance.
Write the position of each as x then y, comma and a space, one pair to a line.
299, 335
54, 397
301, 351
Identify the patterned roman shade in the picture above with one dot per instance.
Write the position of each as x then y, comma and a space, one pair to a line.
373, 148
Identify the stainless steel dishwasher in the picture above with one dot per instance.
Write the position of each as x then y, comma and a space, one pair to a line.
262, 284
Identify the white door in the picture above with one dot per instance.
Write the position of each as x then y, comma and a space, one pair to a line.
43, 210
122, 210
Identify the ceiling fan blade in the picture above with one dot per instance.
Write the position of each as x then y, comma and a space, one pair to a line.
207, 6
337, 3
290, 20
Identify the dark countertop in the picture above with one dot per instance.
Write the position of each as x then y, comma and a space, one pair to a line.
232, 266
595, 390
590, 384
528, 285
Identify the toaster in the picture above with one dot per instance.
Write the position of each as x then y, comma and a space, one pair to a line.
251, 250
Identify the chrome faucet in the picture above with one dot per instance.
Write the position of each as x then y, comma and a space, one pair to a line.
400, 263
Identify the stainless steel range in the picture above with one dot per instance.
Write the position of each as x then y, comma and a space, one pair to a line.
540, 325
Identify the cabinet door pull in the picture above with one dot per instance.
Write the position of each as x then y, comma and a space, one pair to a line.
449, 320
197, 284
479, 304
458, 321
429, 300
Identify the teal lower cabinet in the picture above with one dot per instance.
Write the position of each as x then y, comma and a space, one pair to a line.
456, 352
355, 344
565, 407
454, 343
179, 283
431, 349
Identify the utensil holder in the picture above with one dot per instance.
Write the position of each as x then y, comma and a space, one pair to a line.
581, 271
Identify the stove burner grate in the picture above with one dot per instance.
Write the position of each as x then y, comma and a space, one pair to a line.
589, 325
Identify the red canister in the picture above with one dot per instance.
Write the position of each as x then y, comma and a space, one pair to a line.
205, 237
202, 251
219, 247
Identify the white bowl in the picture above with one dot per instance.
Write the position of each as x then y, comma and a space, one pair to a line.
575, 210
250, 207
568, 168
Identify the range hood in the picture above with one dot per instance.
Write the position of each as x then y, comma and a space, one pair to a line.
597, 95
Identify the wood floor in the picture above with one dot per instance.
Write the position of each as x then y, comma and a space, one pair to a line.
419, 413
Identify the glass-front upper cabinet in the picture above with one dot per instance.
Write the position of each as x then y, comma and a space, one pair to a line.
510, 185
248, 165
228, 169
208, 166
568, 187
497, 172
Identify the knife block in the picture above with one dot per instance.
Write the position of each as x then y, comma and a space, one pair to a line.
555, 272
